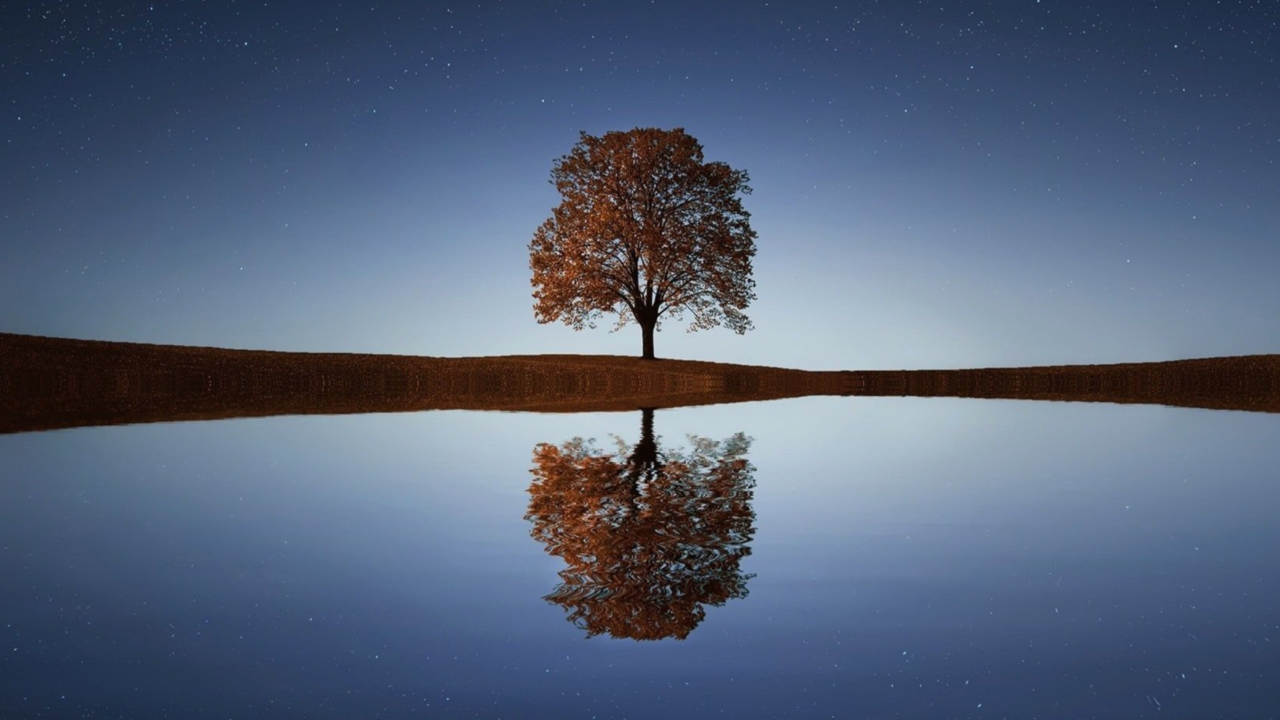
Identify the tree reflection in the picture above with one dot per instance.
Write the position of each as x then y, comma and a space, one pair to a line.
650, 537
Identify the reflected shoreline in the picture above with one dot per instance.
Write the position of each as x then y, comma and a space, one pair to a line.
50, 383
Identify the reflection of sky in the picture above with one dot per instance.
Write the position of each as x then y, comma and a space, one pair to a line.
937, 184
904, 548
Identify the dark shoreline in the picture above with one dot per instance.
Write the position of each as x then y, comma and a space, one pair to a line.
50, 383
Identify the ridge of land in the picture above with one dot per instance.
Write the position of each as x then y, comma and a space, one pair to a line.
49, 383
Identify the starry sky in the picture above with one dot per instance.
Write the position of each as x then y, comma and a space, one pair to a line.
937, 184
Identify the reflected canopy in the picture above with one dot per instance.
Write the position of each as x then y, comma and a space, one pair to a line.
650, 536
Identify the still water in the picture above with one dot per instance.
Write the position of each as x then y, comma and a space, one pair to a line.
806, 558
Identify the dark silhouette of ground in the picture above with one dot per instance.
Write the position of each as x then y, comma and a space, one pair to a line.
48, 383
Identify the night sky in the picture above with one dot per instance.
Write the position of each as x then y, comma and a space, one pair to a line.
937, 184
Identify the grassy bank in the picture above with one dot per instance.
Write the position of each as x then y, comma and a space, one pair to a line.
48, 383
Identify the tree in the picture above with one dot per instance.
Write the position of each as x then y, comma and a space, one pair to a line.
649, 538
645, 229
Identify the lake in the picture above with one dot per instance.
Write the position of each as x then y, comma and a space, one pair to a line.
803, 558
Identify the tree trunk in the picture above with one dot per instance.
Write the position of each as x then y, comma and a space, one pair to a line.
646, 432
647, 326
643, 465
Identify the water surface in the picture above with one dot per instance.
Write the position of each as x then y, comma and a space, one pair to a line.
846, 557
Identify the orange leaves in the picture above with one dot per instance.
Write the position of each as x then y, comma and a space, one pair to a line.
648, 538
645, 229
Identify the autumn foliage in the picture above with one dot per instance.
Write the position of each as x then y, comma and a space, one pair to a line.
649, 538
646, 229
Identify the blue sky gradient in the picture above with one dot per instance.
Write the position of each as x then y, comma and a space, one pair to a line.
942, 184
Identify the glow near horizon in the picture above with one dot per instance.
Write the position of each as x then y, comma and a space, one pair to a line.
922, 200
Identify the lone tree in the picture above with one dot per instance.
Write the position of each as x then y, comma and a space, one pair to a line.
650, 538
645, 229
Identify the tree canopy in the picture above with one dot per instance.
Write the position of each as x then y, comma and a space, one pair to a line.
649, 538
646, 229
